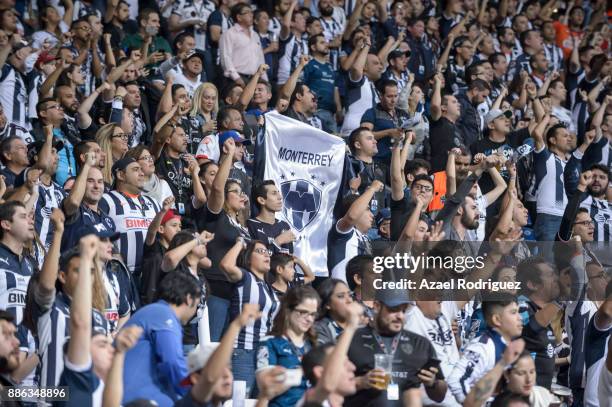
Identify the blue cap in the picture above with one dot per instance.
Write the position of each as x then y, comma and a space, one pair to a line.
393, 297
383, 214
232, 134
99, 229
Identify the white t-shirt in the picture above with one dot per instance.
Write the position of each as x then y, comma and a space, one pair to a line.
605, 386
440, 334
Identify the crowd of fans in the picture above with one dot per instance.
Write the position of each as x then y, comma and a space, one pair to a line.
142, 261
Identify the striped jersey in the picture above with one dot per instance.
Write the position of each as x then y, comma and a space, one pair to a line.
117, 305
49, 197
360, 96
15, 273
332, 28
291, 49
596, 349
549, 190
342, 247
53, 325
14, 96
601, 213
252, 290
132, 216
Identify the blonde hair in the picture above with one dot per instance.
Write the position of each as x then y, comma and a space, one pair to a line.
98, 291
104, 137
197, 100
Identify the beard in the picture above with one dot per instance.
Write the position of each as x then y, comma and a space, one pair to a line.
468, 223
327, 12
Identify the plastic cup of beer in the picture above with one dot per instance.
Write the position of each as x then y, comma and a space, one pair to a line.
383, 362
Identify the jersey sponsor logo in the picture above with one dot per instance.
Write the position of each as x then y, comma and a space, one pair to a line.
16, 297
131, 223
302, 202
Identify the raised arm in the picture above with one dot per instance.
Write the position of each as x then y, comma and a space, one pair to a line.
48, 273
435, 107
249, 89
484, 388
79, 352
451, 174
285, 30
500, 186
289, 86
353, 21
538, 133
173, 257
217, 193
398, 161
443, 60
73, 201
125, 340
229, 262
359, 207
46, 89
356, 70
309, 275
156, 222
202, 391
84, 120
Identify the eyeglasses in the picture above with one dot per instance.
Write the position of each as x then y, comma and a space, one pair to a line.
585, 222
122, 136
86, 29
237, 192
58, 107
265, 252
246, 12
424, 188
146, 158
302, 313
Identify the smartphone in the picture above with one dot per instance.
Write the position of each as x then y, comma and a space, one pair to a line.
293, 377
431, 363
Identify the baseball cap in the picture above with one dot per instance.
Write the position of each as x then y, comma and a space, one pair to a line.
99, 229
169, 216
238, 138
392, 297
396, 53
122, 164
44, 58
382, 215
196, 54
197, 359
495, 113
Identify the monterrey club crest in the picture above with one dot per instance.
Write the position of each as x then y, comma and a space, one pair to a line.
301, 202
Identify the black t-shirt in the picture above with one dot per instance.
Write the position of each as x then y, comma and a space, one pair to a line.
226, 232
267, 233
9, 177
173, 171
443, 137
412, 353
488, 147
152, 273
541, 341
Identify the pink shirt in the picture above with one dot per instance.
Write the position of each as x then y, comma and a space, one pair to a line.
241, 52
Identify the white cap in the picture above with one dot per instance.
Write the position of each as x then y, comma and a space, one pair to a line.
198, 358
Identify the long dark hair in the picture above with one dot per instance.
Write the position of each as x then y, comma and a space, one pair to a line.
326, 290
294, 297
179, 239
244, 260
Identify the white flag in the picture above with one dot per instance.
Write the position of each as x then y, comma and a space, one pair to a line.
306, 164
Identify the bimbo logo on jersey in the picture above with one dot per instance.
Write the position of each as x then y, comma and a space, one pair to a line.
301, 202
